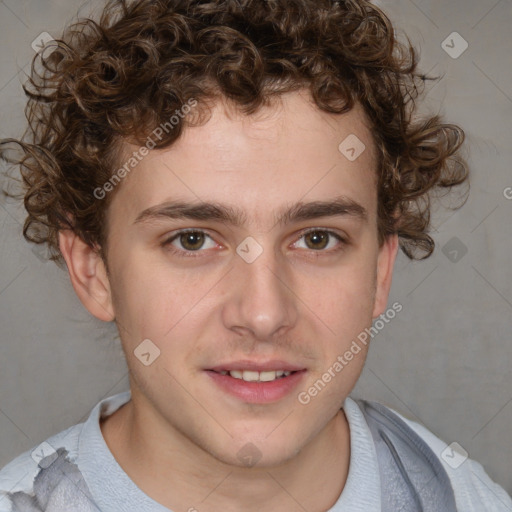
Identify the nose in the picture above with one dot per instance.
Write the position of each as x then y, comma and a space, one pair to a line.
260, 302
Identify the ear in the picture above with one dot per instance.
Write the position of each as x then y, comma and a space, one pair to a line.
385, 264
88, 275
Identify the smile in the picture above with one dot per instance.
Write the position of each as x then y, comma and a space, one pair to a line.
255, 387
253, 376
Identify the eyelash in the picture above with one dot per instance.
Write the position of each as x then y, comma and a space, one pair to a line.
194, 254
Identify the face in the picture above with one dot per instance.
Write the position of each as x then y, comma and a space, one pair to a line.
281, 272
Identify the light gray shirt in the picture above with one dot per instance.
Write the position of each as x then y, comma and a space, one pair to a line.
74, 470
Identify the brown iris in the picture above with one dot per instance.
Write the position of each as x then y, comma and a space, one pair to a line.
192, 241
320, 239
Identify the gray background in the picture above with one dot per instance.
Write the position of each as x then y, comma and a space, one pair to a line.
444, 361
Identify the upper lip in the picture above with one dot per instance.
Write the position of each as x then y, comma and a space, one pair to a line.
257, 367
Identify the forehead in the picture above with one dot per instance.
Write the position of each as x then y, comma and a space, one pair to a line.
287, 152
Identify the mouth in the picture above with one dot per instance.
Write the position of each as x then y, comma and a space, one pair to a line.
257, 387
255, 376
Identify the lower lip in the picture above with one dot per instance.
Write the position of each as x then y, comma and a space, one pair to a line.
257, 392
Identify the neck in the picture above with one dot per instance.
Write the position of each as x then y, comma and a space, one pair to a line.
182, 476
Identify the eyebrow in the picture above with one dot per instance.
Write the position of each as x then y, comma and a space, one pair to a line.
212, 211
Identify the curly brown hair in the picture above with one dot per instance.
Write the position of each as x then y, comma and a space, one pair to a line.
114, 80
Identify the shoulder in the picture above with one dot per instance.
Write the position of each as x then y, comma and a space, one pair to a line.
19, 474
51, 473
473, 488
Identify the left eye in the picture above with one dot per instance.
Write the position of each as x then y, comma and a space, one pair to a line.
319, 239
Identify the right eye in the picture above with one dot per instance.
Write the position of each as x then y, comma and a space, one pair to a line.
190, 240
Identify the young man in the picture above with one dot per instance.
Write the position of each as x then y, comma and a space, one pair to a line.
230, 182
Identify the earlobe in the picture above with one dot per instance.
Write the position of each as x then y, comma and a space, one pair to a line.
88, 275
385, 265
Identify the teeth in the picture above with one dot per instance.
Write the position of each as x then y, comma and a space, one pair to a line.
268, 376
252, 376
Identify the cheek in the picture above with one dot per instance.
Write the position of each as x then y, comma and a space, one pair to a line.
346, 296
345, 309
154, 300
142, 297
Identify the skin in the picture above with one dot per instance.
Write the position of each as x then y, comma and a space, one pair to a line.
300, 301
